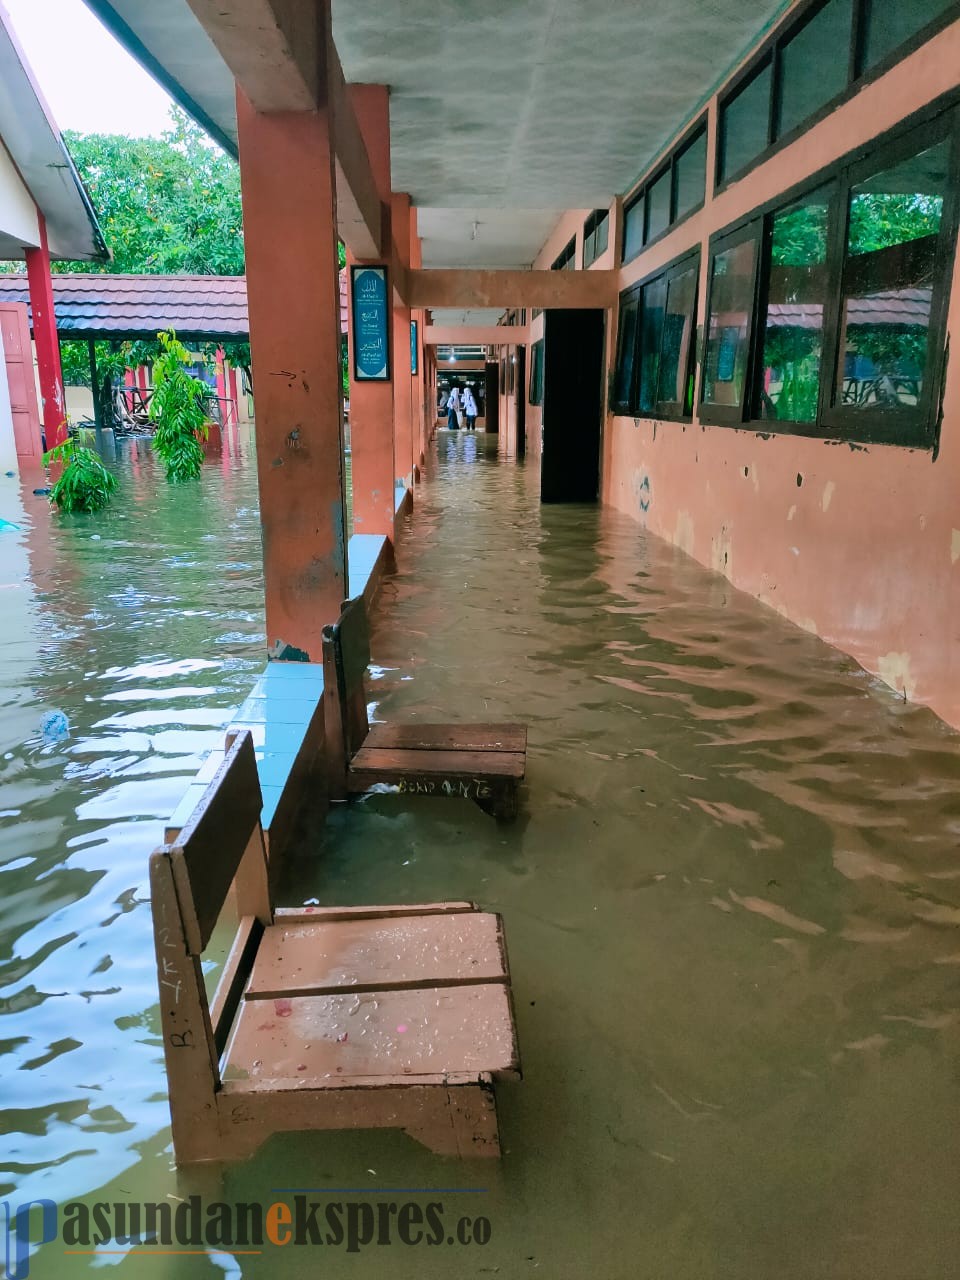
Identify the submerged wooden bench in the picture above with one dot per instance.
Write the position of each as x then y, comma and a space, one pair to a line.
343, 1018
284, 715
480, 762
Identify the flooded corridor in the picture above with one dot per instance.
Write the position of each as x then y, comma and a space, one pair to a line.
731, 899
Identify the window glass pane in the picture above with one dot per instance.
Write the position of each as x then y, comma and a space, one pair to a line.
888, 23
633, 230
793, 336
626, 354
894, 221
651, 330
728, 325
595, 236
675, 384
536, 373
600, 235
692, 175
814, 63
744, 124
658, 206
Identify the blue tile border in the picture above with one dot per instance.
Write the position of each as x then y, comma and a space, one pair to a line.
281, 705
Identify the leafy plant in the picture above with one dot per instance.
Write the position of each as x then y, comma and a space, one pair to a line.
177, 410
169, 204
85, 484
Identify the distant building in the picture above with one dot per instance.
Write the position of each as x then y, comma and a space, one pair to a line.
44, 214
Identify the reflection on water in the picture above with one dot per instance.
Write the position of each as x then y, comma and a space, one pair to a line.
731, 901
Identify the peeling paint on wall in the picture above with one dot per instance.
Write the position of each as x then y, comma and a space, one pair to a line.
827, 498
895, 671
722, 551
954, 546
683, 534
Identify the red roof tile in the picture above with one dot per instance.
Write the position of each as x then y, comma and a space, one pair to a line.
134, 306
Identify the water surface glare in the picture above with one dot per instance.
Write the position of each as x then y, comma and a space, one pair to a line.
731, 900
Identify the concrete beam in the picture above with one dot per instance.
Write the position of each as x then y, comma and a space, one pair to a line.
360, 219
272, 47
283, 59
488, 335
543, 289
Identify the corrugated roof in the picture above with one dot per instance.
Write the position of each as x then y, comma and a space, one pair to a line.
138, 306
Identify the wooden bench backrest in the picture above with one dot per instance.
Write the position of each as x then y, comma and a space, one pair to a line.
207, 854
346, 656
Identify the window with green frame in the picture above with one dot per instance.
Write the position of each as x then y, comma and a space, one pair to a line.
816, 56
674, 190
595, 235
536, 372
826, 315
566, 260
656, 344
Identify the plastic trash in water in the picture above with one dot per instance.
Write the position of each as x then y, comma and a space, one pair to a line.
54, 726
8, 524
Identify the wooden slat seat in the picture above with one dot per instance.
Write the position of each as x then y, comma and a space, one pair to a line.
324, 1039
481, 762
363, 955
324, 1018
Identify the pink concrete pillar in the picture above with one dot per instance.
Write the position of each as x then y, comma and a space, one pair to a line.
290, 232
402, 378
221, 376
371, 403
418, 404
234, 395
53, 409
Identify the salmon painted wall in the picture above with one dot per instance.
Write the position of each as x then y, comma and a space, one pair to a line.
859, 544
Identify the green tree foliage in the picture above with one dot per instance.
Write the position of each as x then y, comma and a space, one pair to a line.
166, 205
879, 220
85, 484
177, 411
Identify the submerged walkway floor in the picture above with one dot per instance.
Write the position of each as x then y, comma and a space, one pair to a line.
731, 900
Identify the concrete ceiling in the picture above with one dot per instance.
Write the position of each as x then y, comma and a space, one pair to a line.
482, 237
525, 107
483, 316
533, 104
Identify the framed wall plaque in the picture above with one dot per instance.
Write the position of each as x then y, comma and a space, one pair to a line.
371, 323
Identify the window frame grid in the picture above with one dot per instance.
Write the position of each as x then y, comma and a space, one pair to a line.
914, 427
597, 219
721, 415
857, 77
639, 194
663, 410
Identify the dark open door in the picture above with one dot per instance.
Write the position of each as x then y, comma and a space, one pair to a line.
521, 385
491, 397
572, 404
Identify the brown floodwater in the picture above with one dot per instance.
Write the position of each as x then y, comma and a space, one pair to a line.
731, 900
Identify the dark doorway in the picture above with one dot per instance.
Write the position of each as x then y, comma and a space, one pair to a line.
492, 396
572, 406
521, 385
